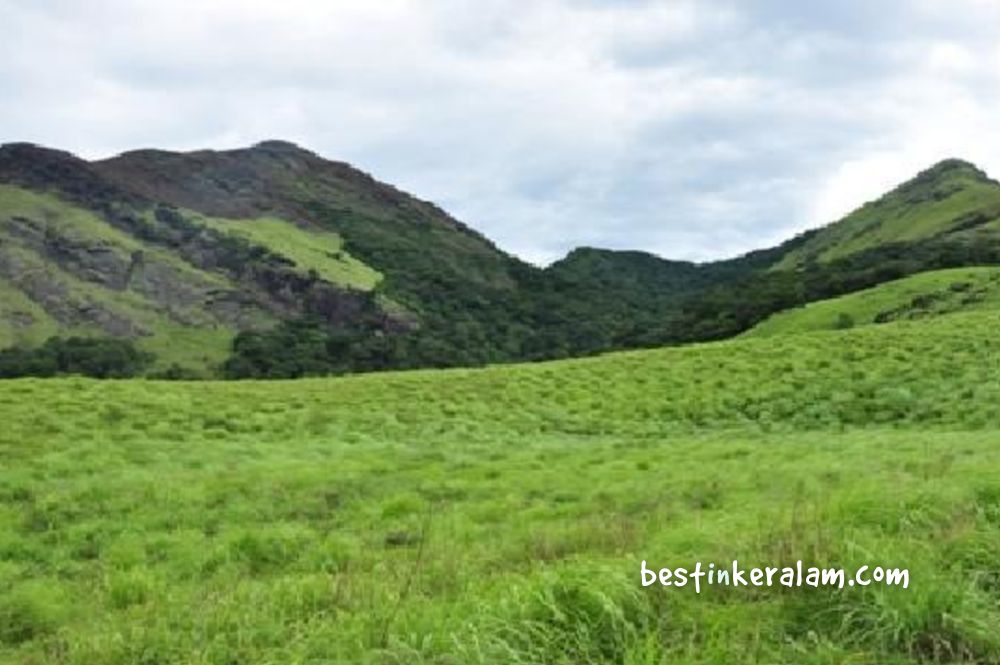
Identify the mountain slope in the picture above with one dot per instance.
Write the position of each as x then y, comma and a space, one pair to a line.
463, 294
281, 179
81, 255
630, 299
953, 198
271, 261
62, 269
946, 217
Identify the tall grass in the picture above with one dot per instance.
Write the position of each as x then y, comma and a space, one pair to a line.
500, 515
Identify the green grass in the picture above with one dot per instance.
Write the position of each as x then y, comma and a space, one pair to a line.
196, 349
316, 250
932, 204
933, 293
500, 515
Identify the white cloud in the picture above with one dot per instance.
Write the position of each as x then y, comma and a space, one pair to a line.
949, 58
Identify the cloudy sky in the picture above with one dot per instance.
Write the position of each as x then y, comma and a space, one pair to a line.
695, 129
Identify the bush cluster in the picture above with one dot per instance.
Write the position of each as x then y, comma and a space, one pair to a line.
99, 358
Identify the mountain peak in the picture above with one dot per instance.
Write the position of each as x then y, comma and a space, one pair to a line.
279, 146
947, 169
951, 198
952, 164
940, 181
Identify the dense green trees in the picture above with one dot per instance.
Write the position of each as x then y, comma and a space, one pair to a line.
481, 307
593, 301
99, 358
306, 347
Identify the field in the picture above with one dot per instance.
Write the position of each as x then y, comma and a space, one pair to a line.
500, 515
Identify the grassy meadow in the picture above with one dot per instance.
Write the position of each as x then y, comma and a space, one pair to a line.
500, 515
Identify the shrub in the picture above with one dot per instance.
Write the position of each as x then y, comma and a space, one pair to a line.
27, 613
844, 321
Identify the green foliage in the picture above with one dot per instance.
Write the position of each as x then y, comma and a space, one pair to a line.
474, 305
30, 611
308, 348
729, 309
466, 295
568, 316
844, 321
93, 357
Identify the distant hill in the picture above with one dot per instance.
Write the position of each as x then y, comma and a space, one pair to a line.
273, 261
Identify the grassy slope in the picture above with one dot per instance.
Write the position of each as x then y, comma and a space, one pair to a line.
321, 251
934, 202
924, 294
499, 515
16, 201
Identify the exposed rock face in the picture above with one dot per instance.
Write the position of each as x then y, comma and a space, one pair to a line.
264, 179
70, 309
90, 261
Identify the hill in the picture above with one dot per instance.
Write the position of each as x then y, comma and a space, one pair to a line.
199, 247
271, 261
953, 199
502, 514
946, 217
933, 293
83, 256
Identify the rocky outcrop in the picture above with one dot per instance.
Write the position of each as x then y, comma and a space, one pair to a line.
72, 310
